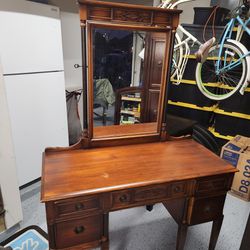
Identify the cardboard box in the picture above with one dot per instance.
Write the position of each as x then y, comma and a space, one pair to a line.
237, 153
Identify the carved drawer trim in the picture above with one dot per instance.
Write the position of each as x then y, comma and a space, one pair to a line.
146, 194
136, 16
150, 195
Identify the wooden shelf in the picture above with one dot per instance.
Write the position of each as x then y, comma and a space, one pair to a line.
134, 99
127, 112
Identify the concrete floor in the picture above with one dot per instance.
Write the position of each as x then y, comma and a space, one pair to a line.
138, 229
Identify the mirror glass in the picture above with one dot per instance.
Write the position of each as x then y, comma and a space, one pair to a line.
121, 82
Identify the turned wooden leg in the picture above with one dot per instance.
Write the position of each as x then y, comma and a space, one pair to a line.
105, 242
215, 232
149, 207
181, 236
105, 245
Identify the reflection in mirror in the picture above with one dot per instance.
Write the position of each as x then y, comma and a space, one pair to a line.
120, 77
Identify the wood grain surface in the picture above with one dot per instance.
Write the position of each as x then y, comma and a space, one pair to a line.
91, 171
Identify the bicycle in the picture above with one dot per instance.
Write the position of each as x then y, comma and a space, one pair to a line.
226, 67
181, 45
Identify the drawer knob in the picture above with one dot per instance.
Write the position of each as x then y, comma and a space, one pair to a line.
79, 206
207, 209
177, 189
123, 198
79, 229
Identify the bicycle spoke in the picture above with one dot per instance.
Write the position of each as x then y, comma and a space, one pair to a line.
229, 77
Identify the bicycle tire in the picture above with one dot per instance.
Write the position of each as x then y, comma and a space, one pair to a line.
226, 83
206, 138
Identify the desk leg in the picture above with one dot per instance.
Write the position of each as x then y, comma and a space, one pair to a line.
181, 236
105, 243
215, 232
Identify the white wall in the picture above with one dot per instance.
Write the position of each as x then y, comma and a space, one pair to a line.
72, 53
71, 36
187, 15
8, 174
229, 4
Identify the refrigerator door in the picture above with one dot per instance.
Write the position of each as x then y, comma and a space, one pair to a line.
8, 172
31, 38
37, 109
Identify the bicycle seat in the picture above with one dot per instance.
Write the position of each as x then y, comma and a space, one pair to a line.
202, 53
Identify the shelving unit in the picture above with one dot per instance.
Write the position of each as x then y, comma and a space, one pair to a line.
128, 108
224, 119
130, 112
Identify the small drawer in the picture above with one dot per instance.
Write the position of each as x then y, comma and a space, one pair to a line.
75, 232
121, 198
152, 193
207, 209
212, 185
178, 189
77, 205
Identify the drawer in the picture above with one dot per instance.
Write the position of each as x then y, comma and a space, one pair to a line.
121, 198
207, 209
78, 231
76, 206
178, 189
212, 184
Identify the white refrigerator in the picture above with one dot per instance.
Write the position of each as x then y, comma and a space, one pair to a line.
32, 61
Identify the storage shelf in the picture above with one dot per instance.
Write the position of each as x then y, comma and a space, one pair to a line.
134, 99
234, 114
127, 112
210, 84
218, 135
192, 106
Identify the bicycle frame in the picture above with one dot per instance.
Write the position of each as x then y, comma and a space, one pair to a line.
182, 45
180, 68
227, 35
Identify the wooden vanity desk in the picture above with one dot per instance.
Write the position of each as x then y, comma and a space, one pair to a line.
125, 159
81, 187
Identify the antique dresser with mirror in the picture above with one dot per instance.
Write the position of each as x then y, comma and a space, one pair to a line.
125, 158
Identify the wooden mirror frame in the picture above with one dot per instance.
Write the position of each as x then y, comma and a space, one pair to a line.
126, 17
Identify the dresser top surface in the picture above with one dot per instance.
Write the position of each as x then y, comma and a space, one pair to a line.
91, 171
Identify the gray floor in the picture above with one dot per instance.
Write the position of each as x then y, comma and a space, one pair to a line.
138, 229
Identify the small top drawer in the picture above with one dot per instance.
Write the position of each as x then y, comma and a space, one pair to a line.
213, 184
178, 189
77, 205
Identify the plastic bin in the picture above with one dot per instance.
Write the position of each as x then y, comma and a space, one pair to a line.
237, 103
188, 93
201, 15
231, 126
197, 31
203, 117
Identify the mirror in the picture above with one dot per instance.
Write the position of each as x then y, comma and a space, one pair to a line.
126, 77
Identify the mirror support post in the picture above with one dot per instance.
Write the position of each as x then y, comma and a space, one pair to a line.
84, 76
165, 104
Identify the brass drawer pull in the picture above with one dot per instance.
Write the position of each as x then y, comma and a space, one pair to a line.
79, 206
123, 198
79, 229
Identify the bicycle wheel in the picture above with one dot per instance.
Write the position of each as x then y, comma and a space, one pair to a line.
219, 86
177, 56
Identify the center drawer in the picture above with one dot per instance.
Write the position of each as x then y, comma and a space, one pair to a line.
79, 231
150, 194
